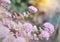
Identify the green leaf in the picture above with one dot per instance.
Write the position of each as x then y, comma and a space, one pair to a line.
13, 1
18, 1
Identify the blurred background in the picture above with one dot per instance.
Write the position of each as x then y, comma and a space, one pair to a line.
44, 11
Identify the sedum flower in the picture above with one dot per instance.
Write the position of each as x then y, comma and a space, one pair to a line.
28, 27
44, 34
49, 27
33, 9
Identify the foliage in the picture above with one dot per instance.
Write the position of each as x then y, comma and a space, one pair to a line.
16, 5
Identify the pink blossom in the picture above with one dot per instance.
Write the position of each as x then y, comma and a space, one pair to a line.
28, 27
32, 8
30, 35
20, 34
8, 1
20, 39
3, 31
35, 37
17, 34
23, 34
9, 38
49, 27
5, 21
8, 23
45, 35
11, 24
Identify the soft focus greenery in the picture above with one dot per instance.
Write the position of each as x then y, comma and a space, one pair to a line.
16, 5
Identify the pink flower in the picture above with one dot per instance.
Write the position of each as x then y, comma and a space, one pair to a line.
45, 35
28, 27
20, 34
35, 37
32, 8
49, 27
30, 35
8, 1
5, 21
17, 34
3, 31
9, 38
11, 24
23, 34
20, 39
8, 23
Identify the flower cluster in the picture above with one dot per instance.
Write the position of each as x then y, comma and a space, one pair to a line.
47, 30
26, 28
17, 31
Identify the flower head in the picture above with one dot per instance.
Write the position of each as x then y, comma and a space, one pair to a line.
33, 9
45, 34
49, 27
28, 27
